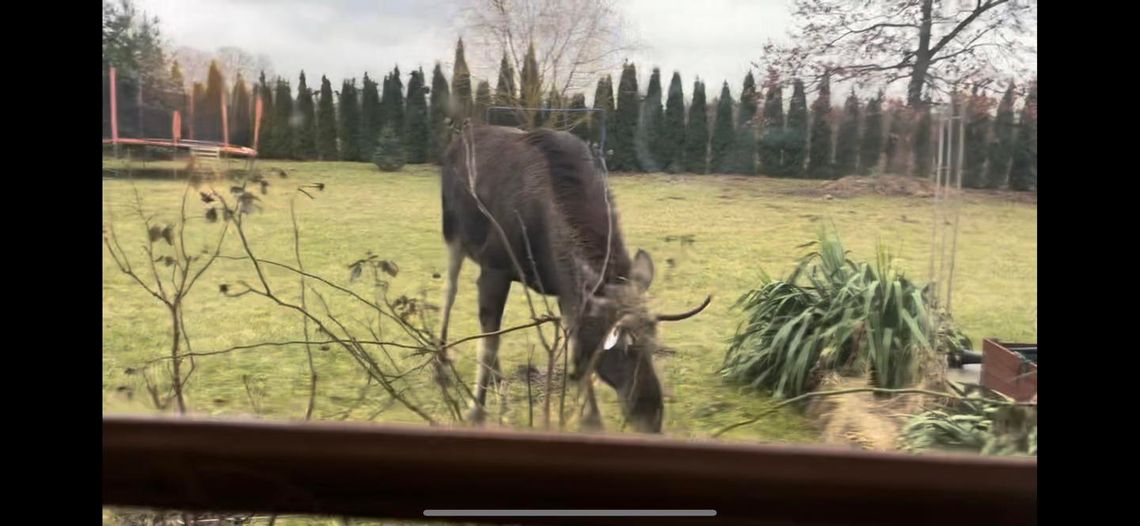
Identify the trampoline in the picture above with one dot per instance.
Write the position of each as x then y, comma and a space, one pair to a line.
137, 113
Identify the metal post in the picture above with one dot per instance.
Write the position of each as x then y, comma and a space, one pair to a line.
225, 122
141, 130
939, 159
114, 113
190, 123
956, 208
947, 206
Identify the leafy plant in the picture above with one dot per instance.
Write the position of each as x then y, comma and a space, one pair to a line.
939, 429
975, 428
830, 313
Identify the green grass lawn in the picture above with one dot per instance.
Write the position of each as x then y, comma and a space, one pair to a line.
738, 227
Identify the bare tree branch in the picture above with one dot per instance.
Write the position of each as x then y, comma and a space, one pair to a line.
575, 40
870, 41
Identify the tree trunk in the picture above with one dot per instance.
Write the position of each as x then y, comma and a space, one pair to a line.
175, 355
921, 58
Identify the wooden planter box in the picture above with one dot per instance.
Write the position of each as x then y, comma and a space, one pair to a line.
1008, 372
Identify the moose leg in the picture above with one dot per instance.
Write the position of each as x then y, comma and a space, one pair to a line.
592, 419
454, 265
493, 290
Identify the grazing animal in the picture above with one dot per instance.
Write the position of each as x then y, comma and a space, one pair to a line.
548, 194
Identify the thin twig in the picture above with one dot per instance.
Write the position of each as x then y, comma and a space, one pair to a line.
276, 344
538, 321
352, 347
529, 391
365, 360
304, 305
391, 315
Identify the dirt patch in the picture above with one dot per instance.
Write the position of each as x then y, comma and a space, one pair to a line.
898, 186
891, 185
1004, 195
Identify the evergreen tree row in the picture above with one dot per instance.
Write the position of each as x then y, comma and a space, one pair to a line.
758, 133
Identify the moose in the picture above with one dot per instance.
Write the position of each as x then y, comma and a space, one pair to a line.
555, 230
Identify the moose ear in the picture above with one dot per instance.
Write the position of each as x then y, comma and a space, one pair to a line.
642, 271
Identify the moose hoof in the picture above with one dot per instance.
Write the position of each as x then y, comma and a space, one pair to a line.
591, 423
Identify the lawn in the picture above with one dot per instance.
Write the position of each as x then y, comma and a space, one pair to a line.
733, 226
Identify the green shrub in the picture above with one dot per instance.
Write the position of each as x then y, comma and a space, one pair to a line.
389, 153
830, 313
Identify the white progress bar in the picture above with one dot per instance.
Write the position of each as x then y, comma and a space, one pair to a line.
569, 513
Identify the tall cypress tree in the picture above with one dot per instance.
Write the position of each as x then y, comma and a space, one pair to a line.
977, 131
650, 137
482, 101
180, 102
697, 132
211, 106
744, 145
796, 131
923, 143
554, 119
350, 130
417, 134
505, 94
819, 160
461, 84
871, 145
724, 131
579, 122
530, 86
265, 130
847, 143
603, 100
241, 118
326, 123
748, 99
440, 99
674, 128
1023, 172
1001, 148
283, 131
305, 138
177, 80
625, 121
372, 118
197, 102
772, 138
392, 101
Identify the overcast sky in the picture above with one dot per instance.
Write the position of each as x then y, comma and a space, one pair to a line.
715, 39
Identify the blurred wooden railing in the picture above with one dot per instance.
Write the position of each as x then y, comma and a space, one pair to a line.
386, 471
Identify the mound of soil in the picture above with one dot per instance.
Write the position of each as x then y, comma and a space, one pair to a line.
860, 420
892, 185
899, 186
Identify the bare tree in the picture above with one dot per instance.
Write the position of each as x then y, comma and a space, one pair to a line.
235, 60
931, 44
195, 63
574, 40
